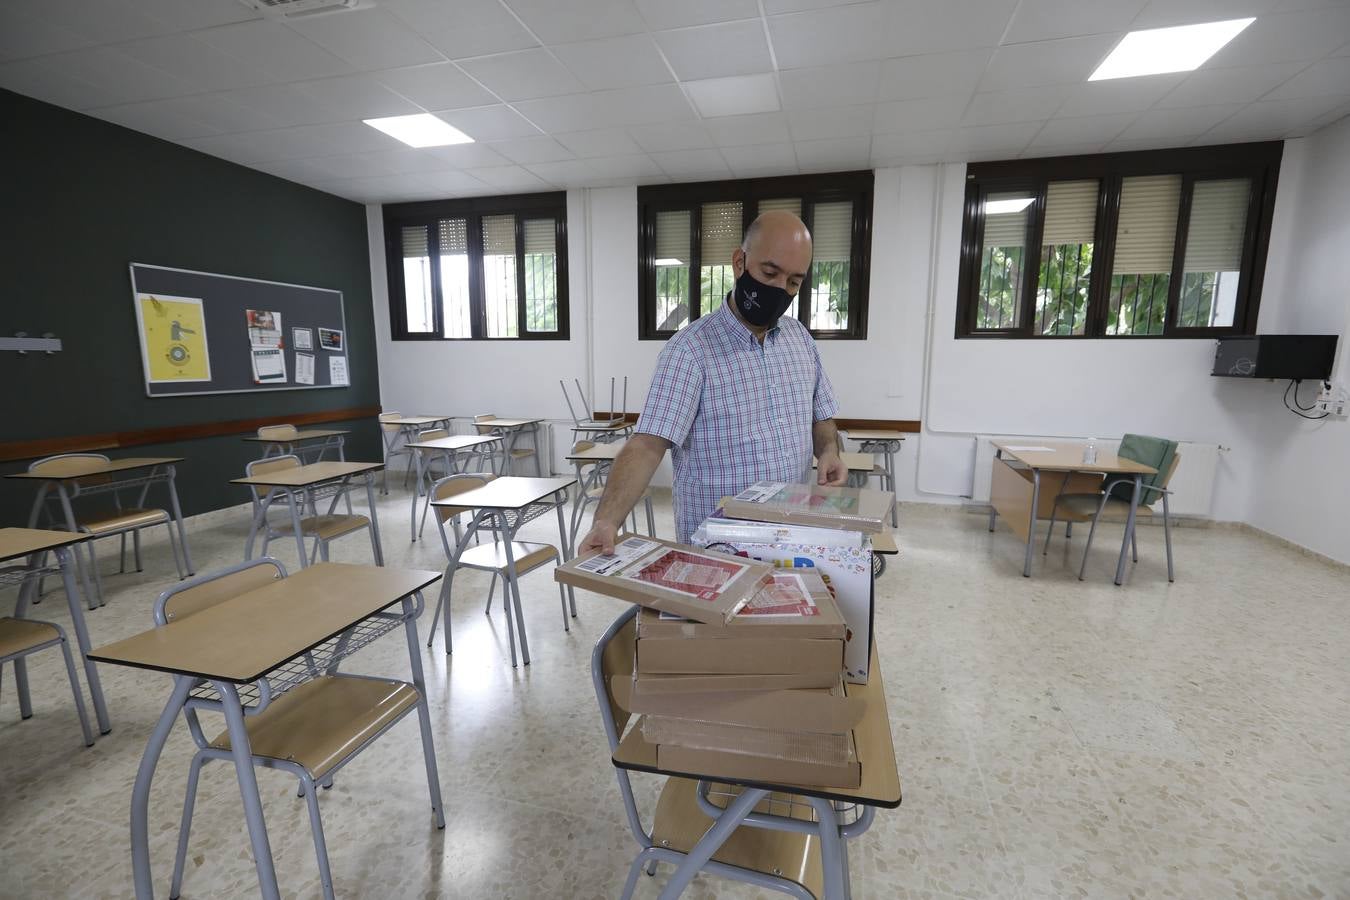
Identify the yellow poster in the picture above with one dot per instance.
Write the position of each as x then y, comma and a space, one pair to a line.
173, 338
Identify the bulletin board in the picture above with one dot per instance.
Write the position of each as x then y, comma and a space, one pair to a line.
203, 333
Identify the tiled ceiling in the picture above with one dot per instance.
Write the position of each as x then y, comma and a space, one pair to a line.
567, 93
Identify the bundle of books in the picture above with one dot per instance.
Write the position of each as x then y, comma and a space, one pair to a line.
737, 666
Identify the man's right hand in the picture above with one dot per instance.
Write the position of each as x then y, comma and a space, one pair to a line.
601, 537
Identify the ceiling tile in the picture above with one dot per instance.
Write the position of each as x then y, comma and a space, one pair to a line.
828, 36
1117, 95
1239, 85
105, 22
118, 75
351, 165
284, 105
1272, 119
1082, 130
912, 146
559, 21
1120, 145
1063, 61
23, 38
601, 142
1039, 20
409, 159
712, 51
274, 48
465, 156
922, 26
835, 155
820, 86
659, 136
734, 96
163, 118
450, 184
368, 39
990, 141
665, 14
489, 123
605, 109
335, 139
615, 62
1286, 38
773, 7
303, 171
1022, 105
1047, 151
692, 164
465, 27
537, 149
570, 172
196, 63
1327, 77
1165, 13
928, 114
911, 77
1180, 123
223, 113
523, 75
44, 79
742, 131
436, 86
628, 166
357, 97
822, 124
761, 159
186, 15
509, 178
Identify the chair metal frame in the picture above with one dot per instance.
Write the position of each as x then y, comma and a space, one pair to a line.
594, 480
509, 435
300, 521
282, 442
390, 433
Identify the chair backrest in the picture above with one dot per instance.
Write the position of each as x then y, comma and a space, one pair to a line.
67, 464
480, 423
279, 432
205, 591
385, 418
451, 485
1151, 451
613, 655
582, 446
272, 464
432, 434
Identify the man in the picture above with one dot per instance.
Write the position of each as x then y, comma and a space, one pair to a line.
739, 396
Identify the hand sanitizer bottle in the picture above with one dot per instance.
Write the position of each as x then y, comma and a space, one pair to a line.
1090, 451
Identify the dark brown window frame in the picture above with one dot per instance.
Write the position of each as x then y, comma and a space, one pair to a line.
429, 213
853, 186
1258, 161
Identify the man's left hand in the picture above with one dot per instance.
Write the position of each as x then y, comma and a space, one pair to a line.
830, 470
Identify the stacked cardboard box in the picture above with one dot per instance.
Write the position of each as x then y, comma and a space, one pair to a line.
845, 508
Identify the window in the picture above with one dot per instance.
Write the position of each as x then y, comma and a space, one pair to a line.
1154, 244
486, 268
688, 233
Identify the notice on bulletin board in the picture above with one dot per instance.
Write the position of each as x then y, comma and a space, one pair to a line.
304, 368
173, 338
337, 370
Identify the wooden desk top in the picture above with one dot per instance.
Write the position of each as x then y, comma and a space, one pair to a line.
854, 462
453, 442
598, 453
16, 542
601, 425
508, 423
82, 467
872, 736
873, 434
312, 434
305, 476
245, 637
507, 492
1070, 459
416, 420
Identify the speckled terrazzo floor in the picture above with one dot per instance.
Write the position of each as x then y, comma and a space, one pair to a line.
1055, 739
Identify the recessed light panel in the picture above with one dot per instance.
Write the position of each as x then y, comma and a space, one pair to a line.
421, 130
1158, 50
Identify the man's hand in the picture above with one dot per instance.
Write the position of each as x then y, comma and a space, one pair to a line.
600, 537
830, 469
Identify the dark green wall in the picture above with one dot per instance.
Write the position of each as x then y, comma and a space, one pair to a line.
79, 201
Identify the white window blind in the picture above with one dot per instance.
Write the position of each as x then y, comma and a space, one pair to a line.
499, 235
1006, 229
414, 241
1217, 226
672, 237
791, 204
454, 236
1070, 213
540, 236
721, 233
832, 231
1147, 227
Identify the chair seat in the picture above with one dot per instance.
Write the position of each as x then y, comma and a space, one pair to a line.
492, 557
126, 520
324, 722
21, 635
1085, 505
521, 454
325, 527
679, 824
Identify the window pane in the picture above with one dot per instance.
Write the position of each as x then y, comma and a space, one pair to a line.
721, 235
672, 269
455, 278
1213, 265
999, 297
1066, 257
417, 295
499, 275
1142, 270
832, 239
541, 275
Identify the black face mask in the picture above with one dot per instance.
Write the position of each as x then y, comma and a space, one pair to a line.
760, 304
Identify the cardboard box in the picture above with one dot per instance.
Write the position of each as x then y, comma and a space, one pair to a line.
742, 767
827, 748
796, 605
829, 711
848, 509
689, 582
657, 685
747, 656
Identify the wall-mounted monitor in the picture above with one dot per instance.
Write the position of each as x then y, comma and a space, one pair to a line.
1302, 357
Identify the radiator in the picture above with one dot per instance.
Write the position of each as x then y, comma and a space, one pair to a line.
1192, 483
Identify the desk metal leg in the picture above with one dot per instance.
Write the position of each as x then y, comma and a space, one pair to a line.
178, 517
417, 491
140, 792
374, 518
1031, 526
67, 561
711, 841
513, 583
832, 853
538, 452
567, 550
295, 524
93, 597
242, 753
998, 454
1129, 529
423, 711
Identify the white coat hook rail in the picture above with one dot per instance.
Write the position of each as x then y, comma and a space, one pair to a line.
23, 344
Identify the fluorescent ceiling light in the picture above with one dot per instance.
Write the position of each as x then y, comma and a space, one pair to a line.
1158, 50
421, 130
1003, 207
669, 262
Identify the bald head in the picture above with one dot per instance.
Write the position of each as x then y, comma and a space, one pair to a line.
776, 250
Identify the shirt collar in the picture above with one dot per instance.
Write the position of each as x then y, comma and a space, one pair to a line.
735, 327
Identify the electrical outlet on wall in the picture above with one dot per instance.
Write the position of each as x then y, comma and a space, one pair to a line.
1332, 401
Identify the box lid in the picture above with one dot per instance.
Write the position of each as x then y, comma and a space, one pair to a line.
830, 711
855, 509
795, 604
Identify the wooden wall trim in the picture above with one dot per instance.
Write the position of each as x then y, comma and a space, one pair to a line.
114, 440
908, 426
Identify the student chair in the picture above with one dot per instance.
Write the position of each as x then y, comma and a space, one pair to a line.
312, 730
596, 490
1113, 503
483, 424
119, 522
430, 459
282, 436
323, 528
390, 431
769, 850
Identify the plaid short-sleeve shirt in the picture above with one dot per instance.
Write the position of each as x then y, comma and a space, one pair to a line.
737, 411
